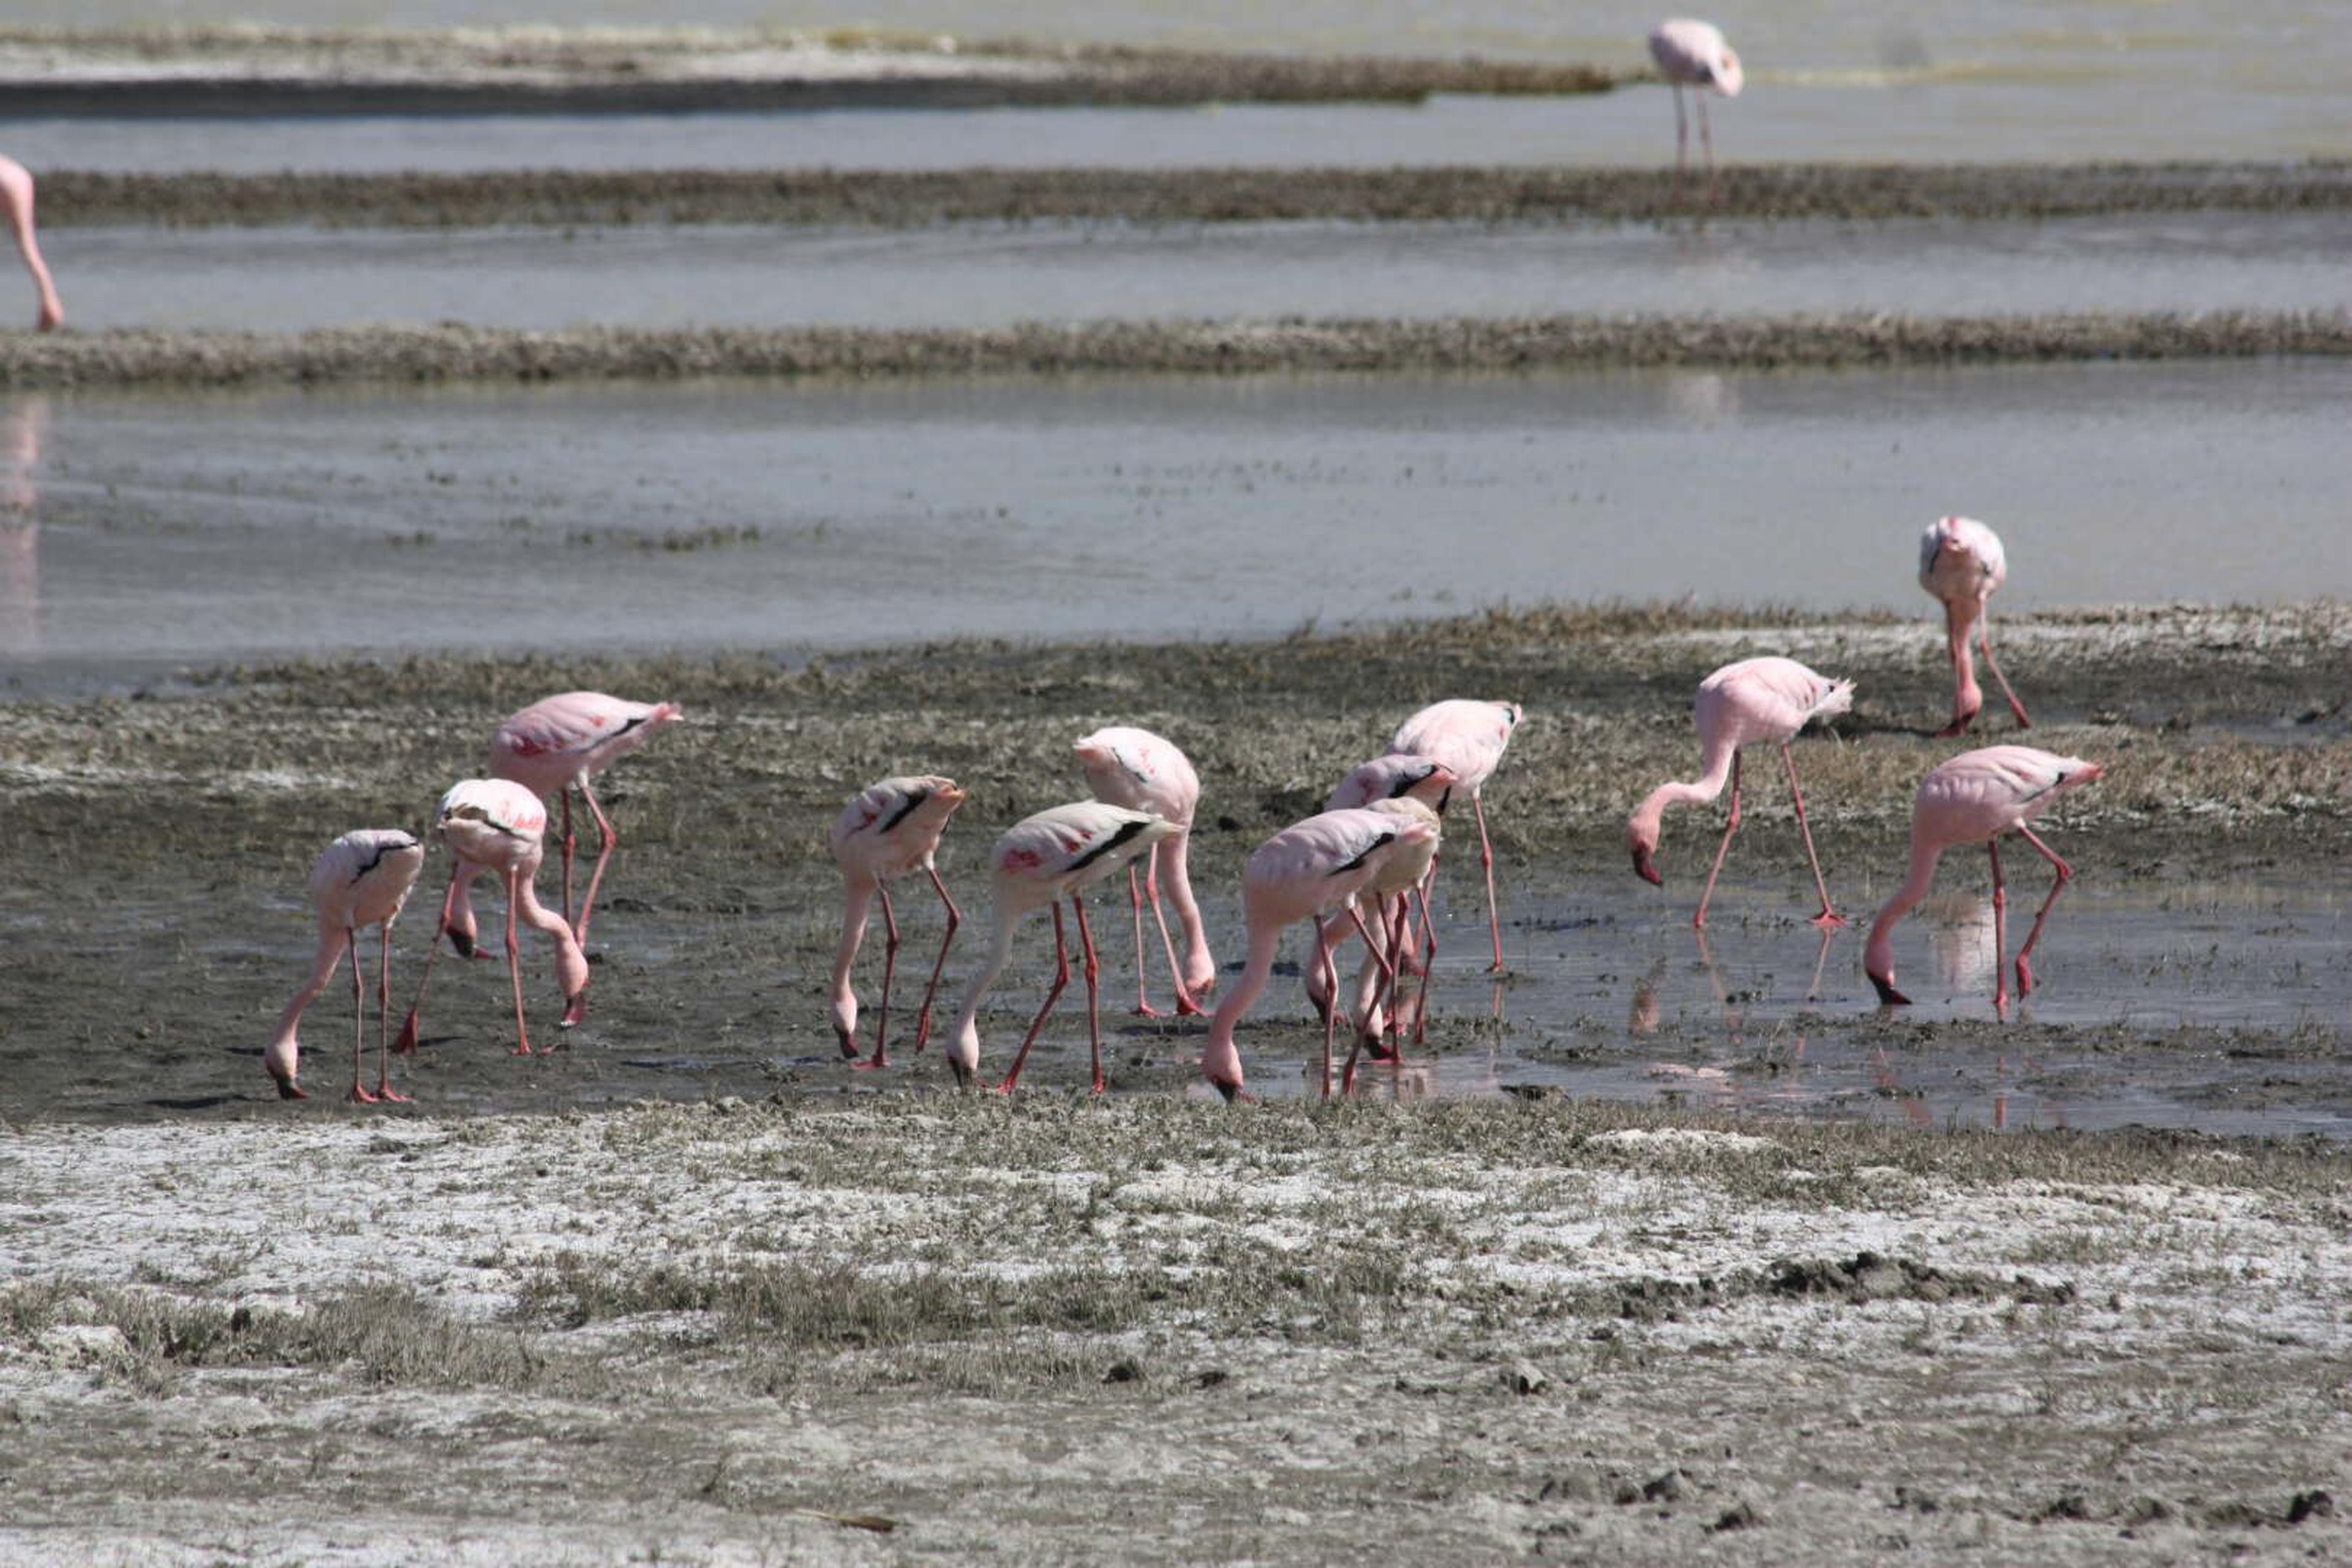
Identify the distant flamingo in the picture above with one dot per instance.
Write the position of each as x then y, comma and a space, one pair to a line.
1306, 870
498, 825
1693, 54
1397, 776
556, 743
1137, 769
17, 197
886, 831
1385, 905
1974, 798
1468, 737
1035, 863
362, 879
1961, 562
1755, 700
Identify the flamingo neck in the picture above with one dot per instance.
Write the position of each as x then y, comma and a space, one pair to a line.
1877, 956
1220, 1059
1174, 857
1715, 757
965, 1038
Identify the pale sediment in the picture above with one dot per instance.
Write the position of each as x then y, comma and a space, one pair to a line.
144, 357
914, 198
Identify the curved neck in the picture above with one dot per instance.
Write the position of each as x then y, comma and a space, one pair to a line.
999, 950
1174, 865
853, 932
1220, 1058
1714, 763
1924, 856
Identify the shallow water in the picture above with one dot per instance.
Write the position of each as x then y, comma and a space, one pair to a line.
290, 279
154, 530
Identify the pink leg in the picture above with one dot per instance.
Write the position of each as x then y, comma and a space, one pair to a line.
1331, 1017
359, 1092
1706, 143
1053, 995
603, 853
955, 919
383, 1090
407, 1041
1828, 917
1487, 860
1984, 639
2057, 886
571, 843
1428, 965
1731, 827
1143, 1007
1093, 969
514, 961
1371, 945
1999, 933
881, 1057
1682, 144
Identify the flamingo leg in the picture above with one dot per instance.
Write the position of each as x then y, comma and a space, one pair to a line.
383, 1090
1143, 1007
1829, 917
407, 1041
1094, 1000
881, 1057
1388, 969
1999, 935
571, 843
359, 1092
514, 960
955, 919
2058, 886
608, 839
1682, 144
1053, 995
1330, 1019
1428, 966
1698, 921
1487, 860
1185, 1004
1707, 143
1984, 640
1403, 947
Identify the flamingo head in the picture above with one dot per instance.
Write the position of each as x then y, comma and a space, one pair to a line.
963, 1055
1729, 77
1642, 839
1887, 995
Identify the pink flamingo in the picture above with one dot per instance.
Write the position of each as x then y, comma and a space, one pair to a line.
1961, 562
1139, 770
1974, 798
1468, 737
886, 831
1306, 870
498, 825
1385, 905
556, 744
362, 879
1397, 776
16, 195
1755, 700
1693, 54
1034, 864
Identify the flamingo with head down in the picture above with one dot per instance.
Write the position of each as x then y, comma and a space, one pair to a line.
1961, 562
360, 879
886, 831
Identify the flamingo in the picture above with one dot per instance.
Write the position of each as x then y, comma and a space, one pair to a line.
886, 831
1397, 776
1693, 54
1961, 562
1974, 798
360, 879
16, 195
498, 825
556, 744
1385, 906
1468, 737
1755, 700
1139, 770
1306, 870
1034, 864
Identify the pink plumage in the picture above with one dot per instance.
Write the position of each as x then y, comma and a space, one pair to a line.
886, 831
1468, 737
1742, 704
557, 744
1143, 772
1975, 799
1693, 54
360, 879
1961, 562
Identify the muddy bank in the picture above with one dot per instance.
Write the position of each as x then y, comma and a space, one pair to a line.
138, 358
903, 199
146, 964
755, 1331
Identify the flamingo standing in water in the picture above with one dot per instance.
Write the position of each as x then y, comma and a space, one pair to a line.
362, 879
1468, 737
886, 831
1306, 870
16, 198
1755, 700
1395, 777
1961, 562
556, 744
1139, 770
1036, 863
1974, 798
498, 825
1693, 54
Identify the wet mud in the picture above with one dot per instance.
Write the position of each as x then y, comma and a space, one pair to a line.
130, 357
919, 198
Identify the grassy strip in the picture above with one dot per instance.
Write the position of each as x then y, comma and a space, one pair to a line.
140, 357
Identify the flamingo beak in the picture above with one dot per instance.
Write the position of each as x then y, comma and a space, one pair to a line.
1887, 995
460, 941
287, 1090
1232, 1092
965, 1078
1646, 869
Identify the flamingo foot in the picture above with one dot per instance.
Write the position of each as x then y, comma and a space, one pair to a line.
361, 1095
1497, 968
1007, 1087
922, 1030
289, 1089
880, 1060
1188, 1008
1829, 918
2024, 979
1146, 1010
1102, 1085
1959, 726
522, 1047
407, 1041
390, 1096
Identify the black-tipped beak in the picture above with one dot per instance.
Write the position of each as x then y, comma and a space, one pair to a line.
1232, 1092
461, 942
1645, 869
1887, 995
287, 1090
965, 1078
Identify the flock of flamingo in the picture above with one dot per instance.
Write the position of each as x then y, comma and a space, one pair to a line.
1361, 868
